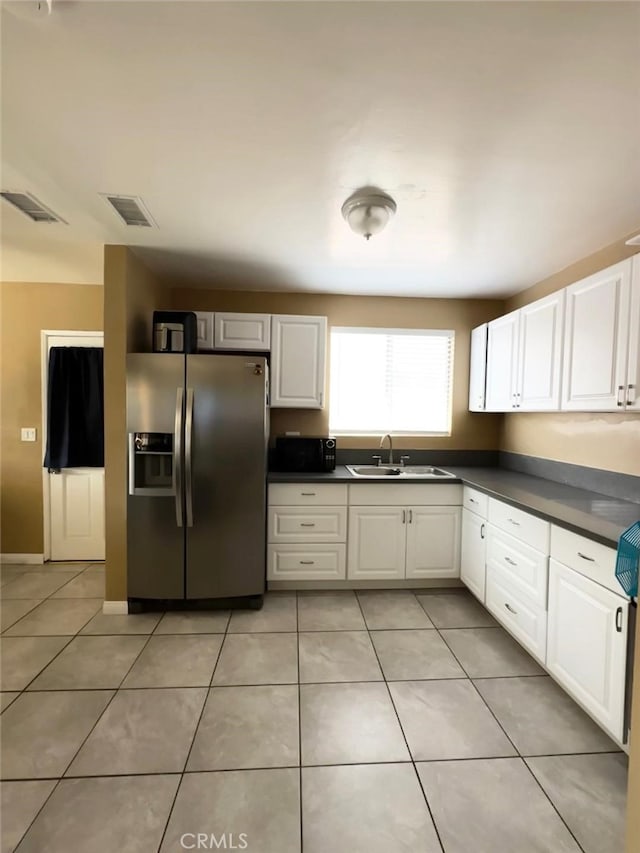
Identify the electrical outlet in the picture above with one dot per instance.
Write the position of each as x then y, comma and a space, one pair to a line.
28, 434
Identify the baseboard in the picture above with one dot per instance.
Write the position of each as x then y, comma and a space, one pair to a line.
23, 559
115, 608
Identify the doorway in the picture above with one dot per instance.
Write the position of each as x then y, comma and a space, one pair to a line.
73, 498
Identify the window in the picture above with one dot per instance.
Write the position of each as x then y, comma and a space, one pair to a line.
391, 380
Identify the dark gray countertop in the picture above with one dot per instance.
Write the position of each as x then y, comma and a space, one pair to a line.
597, 516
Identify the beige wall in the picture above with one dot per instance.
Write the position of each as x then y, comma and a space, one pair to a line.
131, 292
26, 310
469, 431
608, 441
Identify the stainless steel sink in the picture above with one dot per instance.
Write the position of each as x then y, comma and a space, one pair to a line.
402, 472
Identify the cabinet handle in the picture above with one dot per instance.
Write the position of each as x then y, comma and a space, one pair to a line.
619, 620
620, 395
308, 494
410, 516
512, 521
404, 516
510, 561
305, 524
511, 610
584, 557
473, 501
482, 531
631, 397
307, 562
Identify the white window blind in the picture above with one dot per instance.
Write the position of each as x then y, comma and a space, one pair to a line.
391, 380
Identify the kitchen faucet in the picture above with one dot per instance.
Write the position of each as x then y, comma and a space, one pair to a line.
390, 447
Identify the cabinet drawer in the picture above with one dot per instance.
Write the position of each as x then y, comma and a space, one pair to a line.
315, 524
307, 494
534, 531
475, 501
590, 558
410, 494
242, 331
526, 621
306, 562
527, 568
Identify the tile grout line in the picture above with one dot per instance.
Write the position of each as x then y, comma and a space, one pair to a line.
299, 686
395, 710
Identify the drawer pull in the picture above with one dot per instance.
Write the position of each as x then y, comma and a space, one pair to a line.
511, 610
482, 531
473, 501
410, 516
307, 524
620, 397
308, 494
307, 562
513, 521
510, 561
584, 557
631, 397
404, 516
619, 620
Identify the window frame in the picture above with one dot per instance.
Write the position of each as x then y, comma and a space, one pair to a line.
382, 330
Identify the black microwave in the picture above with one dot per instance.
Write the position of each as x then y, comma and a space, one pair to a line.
305, 453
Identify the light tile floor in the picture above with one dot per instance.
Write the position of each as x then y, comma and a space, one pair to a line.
377, 722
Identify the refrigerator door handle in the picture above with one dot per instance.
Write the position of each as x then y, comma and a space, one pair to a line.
177, 457
188, 449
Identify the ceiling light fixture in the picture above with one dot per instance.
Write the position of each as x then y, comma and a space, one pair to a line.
633, 241
368, 211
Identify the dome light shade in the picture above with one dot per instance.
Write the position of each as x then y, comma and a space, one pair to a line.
367, 213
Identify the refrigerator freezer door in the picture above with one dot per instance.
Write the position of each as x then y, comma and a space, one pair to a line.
225, 489
155, 542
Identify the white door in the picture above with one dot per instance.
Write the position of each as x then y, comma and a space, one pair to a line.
376, 549
433, 542
76, 495
298, 355
596, 341
587, 644
540, 361
473, 551
502, 363
242, 331
478, 368
633, 367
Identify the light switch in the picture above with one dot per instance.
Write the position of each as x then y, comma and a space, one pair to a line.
28, 434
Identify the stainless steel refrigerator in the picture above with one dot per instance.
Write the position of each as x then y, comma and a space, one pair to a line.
197, 460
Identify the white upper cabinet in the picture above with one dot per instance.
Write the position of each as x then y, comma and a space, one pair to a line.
242, 331
632, 396
204, 328
596, 341
540, 354
502, 363
298, 357
478, 369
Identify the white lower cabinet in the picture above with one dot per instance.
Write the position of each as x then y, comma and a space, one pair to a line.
473, 551
313, 562
526, 620
377, 543
433, 542
587, 644
391, 542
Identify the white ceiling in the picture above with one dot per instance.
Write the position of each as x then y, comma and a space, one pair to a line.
508, 133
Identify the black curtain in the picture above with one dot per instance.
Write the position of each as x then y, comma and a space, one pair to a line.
75, 408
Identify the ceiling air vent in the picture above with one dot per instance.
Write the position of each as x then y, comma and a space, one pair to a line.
31, 207
130, 209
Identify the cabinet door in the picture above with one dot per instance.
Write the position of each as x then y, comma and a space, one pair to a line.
633, 367
540, 359
376, 548
204, 327
298, 355
587, 643
478, 368
242, 331
433, 541
502, 363
596, 341
473, 550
